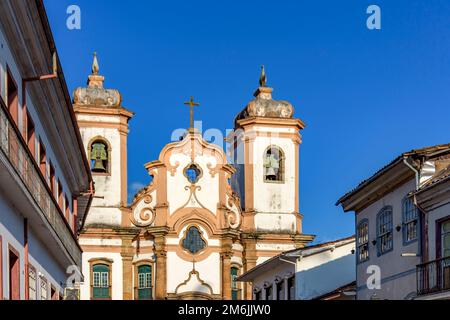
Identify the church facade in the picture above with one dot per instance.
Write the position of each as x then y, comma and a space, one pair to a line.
202, 221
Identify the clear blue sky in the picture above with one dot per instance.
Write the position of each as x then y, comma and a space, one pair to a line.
366, 96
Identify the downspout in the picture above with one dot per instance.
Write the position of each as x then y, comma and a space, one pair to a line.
423, 226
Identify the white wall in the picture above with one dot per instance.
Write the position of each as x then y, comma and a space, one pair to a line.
393, 266
322, 273
117, 274
433, 216
39, 256
104, 208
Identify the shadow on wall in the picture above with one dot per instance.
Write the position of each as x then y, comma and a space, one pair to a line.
322, 279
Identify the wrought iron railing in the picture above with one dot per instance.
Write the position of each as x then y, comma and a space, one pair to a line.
15, 149
433, 276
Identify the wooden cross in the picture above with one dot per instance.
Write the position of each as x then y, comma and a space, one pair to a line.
192, 104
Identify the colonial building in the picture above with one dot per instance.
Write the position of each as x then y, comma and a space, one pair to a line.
44, 173
202, 221
433, 199
324, 271
393, 227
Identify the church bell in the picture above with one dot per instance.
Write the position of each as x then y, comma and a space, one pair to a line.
98, 165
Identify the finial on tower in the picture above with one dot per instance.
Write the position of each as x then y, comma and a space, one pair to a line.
95, 66
263, 78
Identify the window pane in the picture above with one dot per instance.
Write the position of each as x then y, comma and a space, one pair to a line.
193, 241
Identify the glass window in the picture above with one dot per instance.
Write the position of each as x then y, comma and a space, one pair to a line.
100, 282
445, 233
193, 241
274, 165
145, 282
234, 283
410, 221
32, 283
363, 241
385, 241
44, 289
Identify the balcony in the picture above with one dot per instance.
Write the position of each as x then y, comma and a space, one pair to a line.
433, 277
49, 215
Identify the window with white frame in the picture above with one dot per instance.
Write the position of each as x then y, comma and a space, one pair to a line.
100, 283
44, 289
363, 241
410, 221
32, 282
384, 232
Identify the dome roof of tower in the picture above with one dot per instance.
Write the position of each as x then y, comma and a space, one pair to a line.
95, 94
264, 105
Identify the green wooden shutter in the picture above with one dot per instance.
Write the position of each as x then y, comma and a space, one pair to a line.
100, 281
145, 282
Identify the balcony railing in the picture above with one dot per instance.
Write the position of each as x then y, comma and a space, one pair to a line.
433, 276
15, 149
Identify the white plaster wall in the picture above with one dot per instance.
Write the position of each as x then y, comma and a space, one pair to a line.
275, 221
393, 266
7, 61
107, 187
11, 231
40, 257
117, 274
178, 271
273, 199
324, 272
281, 270
177, 196
433, 216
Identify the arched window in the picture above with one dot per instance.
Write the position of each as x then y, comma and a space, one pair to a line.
101, 287
410, 221
274, 165
193, 242
384, 232
144, 288
99, 156
234, 283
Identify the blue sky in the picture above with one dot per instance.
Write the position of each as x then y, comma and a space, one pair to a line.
366, 96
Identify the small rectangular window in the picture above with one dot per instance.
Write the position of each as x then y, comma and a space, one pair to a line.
363, 241
32, 283
385, 236
44, 289
410, 221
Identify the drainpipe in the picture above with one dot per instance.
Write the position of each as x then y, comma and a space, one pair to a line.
423, 224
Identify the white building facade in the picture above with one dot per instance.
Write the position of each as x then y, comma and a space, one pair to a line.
44, 174
323, 271
202, 221
390, 227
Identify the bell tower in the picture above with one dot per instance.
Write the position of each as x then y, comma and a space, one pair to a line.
265, 149
103, 123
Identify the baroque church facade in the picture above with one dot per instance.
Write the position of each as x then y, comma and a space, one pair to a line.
202, 221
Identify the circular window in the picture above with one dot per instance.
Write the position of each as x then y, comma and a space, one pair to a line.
193, 173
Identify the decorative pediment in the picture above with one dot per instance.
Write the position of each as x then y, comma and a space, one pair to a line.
194, 284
